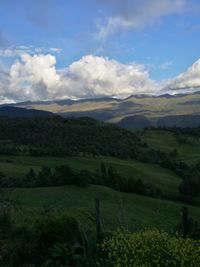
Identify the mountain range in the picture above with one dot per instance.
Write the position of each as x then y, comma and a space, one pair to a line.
12, 112
136, 111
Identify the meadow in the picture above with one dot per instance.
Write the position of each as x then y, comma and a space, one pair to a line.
130, 211
164, 179
165, 141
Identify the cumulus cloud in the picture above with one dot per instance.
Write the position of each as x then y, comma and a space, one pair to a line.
35, 77
187, 81
94, 76
4, 85
32, 77
135, 14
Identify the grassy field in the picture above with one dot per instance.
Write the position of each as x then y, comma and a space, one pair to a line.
166, 141
118, 209
162, 178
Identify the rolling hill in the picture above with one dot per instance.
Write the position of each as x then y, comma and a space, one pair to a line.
188, 149
118, 209
164, 179
139, 110
37, 144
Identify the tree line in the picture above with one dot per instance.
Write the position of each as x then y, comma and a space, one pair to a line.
65, 175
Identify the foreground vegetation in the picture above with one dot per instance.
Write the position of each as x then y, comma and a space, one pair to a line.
150, 248
118, 208
56, 227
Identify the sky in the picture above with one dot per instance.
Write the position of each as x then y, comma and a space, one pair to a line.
56, 49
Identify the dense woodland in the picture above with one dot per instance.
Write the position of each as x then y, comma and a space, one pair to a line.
58, 136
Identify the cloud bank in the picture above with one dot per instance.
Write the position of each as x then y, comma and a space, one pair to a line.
35, 77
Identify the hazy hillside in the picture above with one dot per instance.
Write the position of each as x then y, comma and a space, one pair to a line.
135, 122
179, 121
150, 108
9, 111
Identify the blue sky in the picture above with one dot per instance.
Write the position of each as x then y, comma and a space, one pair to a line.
160, 38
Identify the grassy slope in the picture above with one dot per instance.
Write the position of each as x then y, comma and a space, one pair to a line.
149, 173
118, 209
166, 141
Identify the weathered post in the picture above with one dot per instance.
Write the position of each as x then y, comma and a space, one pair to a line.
185, 221
98, 220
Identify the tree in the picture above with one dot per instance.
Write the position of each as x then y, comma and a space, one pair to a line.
64, 175
30, 178
44, 177
103, 173
84, 178
2, 176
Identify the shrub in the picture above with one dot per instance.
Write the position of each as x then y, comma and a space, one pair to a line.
33, 244
150, 248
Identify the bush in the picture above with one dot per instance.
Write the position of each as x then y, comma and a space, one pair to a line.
150, 248
33, 244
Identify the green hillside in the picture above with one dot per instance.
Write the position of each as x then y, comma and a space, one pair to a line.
162, 178
129, 148
187, 146
52, 170
118, 209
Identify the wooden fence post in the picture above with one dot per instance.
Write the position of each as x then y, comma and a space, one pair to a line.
185, 221
98, 220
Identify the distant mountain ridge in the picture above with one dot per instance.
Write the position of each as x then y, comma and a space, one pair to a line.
12, 112
135, 122
181, 121
136, 111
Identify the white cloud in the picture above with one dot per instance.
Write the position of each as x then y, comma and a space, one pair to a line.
4, 85
35, 77
5, 100
31, 78
189, 80
136, 14
37, 68
94, 76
